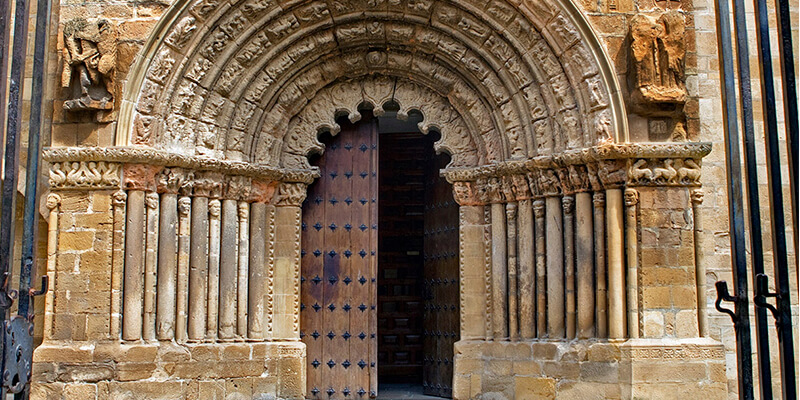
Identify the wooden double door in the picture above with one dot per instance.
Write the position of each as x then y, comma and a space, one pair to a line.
379, 255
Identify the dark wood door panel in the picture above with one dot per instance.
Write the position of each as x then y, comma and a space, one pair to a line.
339, 260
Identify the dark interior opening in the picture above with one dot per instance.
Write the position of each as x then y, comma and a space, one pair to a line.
405, 157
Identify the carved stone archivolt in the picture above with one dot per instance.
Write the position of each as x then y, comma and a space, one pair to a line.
499, 80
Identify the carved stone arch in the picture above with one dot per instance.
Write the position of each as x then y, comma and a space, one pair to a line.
213, 81
345, 98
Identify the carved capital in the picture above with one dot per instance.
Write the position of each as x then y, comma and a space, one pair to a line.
599, 199
53, 201
261, 191
290, 194
214, 208
579, 178
171, 180
244, 211
568, 204
237, 187
466, 193
140, 176
538, 208
208, 184
612, 173
151, 200
119, 198
184, 206
631, 197
549, 183
697, 196
522, 191
507, 186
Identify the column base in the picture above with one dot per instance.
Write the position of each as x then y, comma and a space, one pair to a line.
590, 369
165, 370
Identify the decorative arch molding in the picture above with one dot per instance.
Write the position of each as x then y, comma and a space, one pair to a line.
216, 78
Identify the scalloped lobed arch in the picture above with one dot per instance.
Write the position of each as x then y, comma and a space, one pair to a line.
255, 80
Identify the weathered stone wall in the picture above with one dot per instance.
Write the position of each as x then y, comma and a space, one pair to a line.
667, 289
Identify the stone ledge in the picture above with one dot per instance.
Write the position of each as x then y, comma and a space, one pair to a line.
111, 366
637, 368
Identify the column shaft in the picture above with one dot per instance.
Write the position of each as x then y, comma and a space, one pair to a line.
184, 250
632, 259
134, 267
541, 270
257, 282
499, 273
167, 266
555, 268
616, 256
601, 278
568, 204
198, 269
150, 266
526, 280
513, 294
229, 261
584, 249
243, 270
212, 298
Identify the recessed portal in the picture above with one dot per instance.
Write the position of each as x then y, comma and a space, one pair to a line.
379, 264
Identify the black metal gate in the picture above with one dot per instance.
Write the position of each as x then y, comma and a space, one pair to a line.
17, 337
781, 311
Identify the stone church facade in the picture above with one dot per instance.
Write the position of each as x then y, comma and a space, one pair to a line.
186, 136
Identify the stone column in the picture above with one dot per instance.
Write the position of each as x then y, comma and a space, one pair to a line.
150, 266
584, 255
119, 200
511, 229
228, 270
568, 204
541, 268
632, 258
212, 298
198, 268
133, 284
53, 205
499, 261
526, 272
472, 261
243, 270
257, 279
699, 262
288, 201
601, 279
616, 257
184, 250
169, 183
554, 236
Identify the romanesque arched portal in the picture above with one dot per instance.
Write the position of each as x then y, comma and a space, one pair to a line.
225, 104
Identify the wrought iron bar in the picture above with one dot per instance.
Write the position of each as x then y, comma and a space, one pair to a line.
5, 25
8, 188
751, 189
790, 116
740, 315
780, 258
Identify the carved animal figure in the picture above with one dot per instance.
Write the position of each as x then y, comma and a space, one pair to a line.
689, 172
639, 174
666, 174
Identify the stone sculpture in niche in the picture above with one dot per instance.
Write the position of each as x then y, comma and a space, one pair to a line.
90, 57
658, 57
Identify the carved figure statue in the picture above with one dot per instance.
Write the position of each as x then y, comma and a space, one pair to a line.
658, 51
90, 57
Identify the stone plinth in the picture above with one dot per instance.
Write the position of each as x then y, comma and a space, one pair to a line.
110, 370
590, 369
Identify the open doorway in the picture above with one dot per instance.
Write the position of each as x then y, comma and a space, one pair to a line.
417, 264
379, 264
